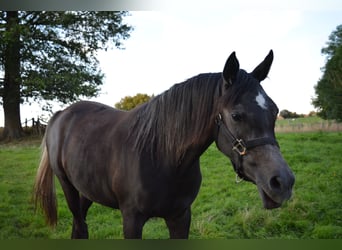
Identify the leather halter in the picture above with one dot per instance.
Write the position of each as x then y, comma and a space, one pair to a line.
240, 146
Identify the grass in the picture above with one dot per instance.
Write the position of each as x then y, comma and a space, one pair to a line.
223, 209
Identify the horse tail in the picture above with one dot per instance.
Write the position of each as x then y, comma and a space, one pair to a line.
44, 194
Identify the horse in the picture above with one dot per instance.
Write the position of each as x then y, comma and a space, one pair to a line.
145, 162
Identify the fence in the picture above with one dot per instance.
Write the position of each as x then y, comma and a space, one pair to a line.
330, 126
37, 127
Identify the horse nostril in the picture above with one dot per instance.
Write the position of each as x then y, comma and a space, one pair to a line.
275, 182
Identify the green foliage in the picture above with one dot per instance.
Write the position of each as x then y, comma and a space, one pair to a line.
223, 209
58, 51
288, 114
334, 43
329, 88
130, 102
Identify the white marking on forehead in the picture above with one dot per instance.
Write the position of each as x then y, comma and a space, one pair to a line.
260, 99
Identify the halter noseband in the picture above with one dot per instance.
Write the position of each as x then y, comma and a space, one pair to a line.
241, 147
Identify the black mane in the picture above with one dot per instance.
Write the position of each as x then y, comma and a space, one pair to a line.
173, 120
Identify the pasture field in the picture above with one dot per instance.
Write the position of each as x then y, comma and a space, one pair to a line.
222, 210
307, 124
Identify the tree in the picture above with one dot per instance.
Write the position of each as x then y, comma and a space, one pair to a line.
289, 115
329, 88
51, 56
285, 114
130, 102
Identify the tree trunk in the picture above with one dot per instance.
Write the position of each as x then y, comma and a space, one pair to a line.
11, 90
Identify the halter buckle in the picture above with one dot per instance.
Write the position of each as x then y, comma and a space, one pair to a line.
240, 147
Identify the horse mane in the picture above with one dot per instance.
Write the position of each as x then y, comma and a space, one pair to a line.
176, 119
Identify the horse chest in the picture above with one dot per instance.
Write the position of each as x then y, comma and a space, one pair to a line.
163, 194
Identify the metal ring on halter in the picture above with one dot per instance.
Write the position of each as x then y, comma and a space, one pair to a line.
238, 179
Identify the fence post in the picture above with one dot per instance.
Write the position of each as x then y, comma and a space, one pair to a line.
39, 132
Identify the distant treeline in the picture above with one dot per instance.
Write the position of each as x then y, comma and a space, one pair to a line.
290, 115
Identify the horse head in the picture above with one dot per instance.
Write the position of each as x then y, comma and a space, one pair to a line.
245, 121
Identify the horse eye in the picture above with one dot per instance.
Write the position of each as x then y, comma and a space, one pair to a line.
237, 117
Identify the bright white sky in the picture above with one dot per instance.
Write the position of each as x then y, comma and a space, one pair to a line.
170, 46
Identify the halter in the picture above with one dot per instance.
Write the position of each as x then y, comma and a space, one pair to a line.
241, 147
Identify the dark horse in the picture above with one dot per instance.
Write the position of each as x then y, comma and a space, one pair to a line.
145, 162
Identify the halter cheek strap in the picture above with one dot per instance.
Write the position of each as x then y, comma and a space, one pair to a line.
240, 146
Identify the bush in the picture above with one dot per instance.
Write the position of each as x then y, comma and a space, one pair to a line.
290, 115
130, 102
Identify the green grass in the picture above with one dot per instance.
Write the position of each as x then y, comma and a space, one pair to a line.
223, 208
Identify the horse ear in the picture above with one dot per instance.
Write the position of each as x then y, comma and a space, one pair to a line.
261, 71
230, 70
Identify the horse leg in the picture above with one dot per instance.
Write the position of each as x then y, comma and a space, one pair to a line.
179, 226
133, 223
85, 205
79, 227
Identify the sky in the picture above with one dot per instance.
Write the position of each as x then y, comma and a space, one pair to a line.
168, 46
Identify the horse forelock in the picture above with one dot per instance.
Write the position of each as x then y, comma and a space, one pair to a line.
176, 119
244, 83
